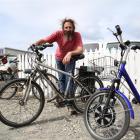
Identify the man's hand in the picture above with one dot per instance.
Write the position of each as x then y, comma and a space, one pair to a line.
67, 58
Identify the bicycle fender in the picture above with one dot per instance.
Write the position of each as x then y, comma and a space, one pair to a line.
126, 100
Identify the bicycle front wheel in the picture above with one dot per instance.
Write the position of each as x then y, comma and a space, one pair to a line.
50, 94
15, 111
111, 124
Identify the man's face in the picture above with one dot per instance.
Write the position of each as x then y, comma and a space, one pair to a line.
68, 29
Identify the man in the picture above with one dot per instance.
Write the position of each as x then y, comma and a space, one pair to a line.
69, 44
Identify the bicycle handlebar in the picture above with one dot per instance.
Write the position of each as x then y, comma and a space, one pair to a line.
123, 45
36, 49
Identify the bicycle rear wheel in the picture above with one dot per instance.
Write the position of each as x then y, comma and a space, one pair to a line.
14, 111
111, 124
81, 96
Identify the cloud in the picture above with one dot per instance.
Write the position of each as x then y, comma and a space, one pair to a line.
25, 21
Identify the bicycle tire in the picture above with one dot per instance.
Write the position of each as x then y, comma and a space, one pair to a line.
51, 94
112, 125
9, 94
93, 83
15, 113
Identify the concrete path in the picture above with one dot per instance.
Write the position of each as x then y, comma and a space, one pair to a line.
57, 124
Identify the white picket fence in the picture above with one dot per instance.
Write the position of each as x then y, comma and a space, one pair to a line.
132, 64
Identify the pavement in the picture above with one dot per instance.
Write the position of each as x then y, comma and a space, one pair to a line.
134, 129
57, 124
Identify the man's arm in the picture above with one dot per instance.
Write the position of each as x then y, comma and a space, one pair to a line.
49, 39
68, 56
78, 50
40, 42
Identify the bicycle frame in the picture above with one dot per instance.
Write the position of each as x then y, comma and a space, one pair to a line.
108, 112
123, 73
38, 64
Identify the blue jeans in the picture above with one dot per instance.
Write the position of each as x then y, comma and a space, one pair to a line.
63, 79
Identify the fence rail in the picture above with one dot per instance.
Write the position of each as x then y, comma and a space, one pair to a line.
101, 57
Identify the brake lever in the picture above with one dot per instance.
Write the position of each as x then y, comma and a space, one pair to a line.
32, 48
109, 29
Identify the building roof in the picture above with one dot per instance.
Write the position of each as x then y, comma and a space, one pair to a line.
111, 45
91, 46
11, 51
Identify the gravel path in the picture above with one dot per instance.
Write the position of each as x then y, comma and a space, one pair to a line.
57, 124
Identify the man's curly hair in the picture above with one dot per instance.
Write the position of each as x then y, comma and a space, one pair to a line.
68, 20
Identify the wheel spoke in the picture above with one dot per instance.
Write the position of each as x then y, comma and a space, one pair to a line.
14, 111
113, 124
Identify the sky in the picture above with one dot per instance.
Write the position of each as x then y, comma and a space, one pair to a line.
23, 22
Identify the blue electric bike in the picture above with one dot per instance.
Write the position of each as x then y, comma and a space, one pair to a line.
108, 111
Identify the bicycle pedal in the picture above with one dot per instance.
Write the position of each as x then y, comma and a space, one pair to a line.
60, 104
68, 103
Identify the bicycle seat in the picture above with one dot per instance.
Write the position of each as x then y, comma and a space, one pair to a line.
78, 57
27, 71
94, 69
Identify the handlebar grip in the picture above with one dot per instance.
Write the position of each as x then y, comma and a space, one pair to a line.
13, 61
44, 46
35, 48
127, 43
32, 47
47, 45
136, 47
119, 31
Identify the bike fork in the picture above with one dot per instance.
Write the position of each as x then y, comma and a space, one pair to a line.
112, 93
27, 90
